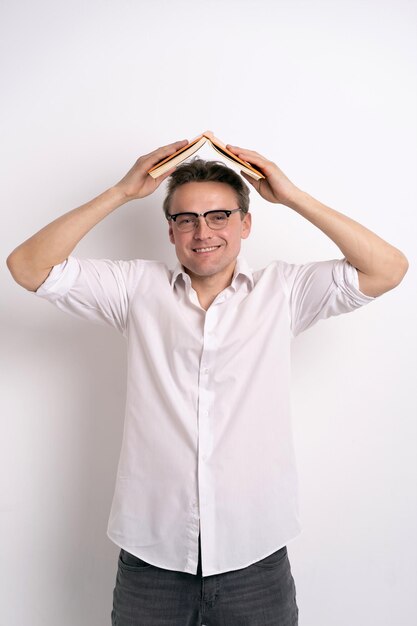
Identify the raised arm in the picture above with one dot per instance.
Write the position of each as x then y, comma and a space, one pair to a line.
380, 265
31, 262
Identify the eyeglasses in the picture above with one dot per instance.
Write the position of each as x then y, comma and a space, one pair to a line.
216, 220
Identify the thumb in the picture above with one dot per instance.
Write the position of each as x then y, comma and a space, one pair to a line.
164, 176
250, 180
255, 183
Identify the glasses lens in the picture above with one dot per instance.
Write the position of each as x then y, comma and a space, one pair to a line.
216, 219
186, 221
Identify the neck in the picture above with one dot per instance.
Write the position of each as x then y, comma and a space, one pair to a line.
209, 287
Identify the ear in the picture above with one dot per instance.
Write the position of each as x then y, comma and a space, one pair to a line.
171, 234
246, 226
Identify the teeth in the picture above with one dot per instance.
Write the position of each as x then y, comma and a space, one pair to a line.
205, 249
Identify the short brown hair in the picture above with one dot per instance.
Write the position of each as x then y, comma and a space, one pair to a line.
198, 171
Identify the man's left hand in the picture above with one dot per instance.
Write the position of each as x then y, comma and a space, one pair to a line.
275, 187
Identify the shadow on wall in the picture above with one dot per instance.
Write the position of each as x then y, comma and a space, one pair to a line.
65, 385
67, 427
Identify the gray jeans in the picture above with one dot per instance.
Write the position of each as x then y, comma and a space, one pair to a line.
262, 594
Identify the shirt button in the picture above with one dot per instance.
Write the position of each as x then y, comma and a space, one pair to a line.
205, 371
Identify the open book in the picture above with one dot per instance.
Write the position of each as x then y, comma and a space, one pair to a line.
194, 145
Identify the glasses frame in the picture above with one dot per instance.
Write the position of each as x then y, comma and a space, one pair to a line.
173, 218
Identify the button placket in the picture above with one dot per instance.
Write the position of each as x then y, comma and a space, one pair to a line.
205, 425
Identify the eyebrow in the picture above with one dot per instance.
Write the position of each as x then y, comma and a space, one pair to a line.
184, 211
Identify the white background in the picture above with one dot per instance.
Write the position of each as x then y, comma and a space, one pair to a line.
328, 91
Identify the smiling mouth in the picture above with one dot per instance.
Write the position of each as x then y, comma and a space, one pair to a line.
208, 249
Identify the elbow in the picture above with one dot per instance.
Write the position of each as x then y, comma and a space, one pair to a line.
12, 265
402, 266
21, 272
398, 269
389, 276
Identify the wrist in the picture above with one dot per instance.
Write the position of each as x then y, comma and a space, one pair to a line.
294, 197
119, 195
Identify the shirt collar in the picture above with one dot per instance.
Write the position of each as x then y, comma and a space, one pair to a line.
242, 269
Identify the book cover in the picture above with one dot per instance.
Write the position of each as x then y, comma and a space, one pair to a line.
194, 145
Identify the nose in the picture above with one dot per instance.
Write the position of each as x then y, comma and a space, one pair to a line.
201, 230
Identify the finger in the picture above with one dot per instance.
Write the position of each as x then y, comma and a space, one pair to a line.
164, 151
247, 155
176, 145
255, 183
240, 149
234, 148
161, 178
266, 167
250, 180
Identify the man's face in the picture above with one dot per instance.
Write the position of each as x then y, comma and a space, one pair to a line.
203, 251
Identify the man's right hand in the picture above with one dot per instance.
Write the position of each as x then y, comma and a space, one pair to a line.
138, 183
31, 262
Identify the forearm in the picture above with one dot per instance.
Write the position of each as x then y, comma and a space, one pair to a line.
370, 254
380, 266
31, 262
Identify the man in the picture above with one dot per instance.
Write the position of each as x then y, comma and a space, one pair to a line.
206, 491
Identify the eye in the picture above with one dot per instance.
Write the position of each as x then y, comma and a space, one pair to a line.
218, 217
185, 219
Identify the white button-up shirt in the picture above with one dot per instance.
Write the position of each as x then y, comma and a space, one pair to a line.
207, 442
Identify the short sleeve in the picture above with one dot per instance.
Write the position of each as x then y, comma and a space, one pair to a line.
320, 290
94, 289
